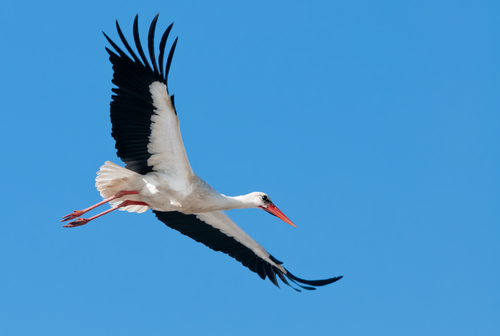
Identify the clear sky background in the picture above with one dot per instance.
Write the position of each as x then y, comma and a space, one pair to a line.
373, 125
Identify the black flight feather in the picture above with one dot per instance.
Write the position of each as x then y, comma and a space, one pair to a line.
162, 47
132, 104
131, 111
151, 44
202, 232
138, 43
169, 59
125, 43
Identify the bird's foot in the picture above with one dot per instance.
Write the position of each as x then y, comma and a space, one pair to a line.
78, 222
73, 215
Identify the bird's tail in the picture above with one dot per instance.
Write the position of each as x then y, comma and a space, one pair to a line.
112, 178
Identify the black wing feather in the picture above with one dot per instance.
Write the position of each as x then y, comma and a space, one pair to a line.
170, 55
204, 233
125, 43
131, 105
131, 112
138, 43
151, 44
163, 41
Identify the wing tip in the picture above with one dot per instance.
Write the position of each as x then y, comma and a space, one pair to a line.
311, 284
272, 271
141, 59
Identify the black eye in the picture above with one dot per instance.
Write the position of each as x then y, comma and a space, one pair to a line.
265, 198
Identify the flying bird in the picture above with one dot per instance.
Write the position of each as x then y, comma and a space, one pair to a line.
157, 174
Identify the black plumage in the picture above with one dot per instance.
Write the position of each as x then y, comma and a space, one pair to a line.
132, 105
131, 112
193, 227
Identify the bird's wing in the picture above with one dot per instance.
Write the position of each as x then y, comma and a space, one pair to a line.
143, 115
217, 231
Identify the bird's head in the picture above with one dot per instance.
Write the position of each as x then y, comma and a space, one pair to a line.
262, 200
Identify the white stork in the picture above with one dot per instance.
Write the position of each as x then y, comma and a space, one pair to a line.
158, 175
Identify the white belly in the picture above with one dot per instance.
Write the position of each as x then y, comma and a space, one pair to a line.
159, 190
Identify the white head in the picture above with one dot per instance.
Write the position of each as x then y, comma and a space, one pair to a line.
263, 201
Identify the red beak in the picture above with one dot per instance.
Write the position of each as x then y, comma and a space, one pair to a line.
273, 210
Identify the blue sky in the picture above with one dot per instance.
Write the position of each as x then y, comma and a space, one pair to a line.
372, 125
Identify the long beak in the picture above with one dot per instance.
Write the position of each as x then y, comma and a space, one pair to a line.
273, 210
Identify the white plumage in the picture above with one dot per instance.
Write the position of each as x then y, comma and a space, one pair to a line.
158, 175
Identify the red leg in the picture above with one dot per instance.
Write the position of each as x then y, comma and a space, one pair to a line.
83, 221
77, 213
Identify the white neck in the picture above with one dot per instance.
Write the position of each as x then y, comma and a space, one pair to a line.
238, 202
